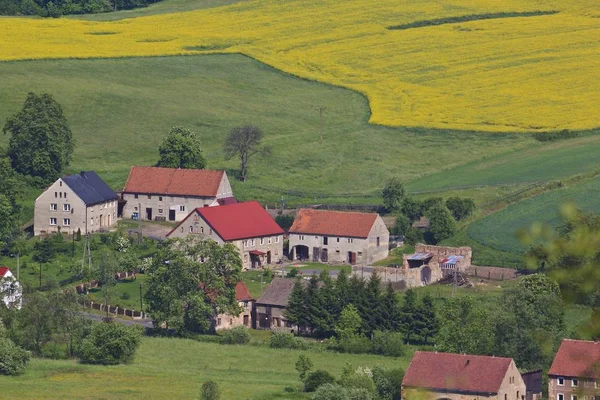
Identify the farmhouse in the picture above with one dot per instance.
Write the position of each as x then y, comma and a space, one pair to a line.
169, 194
270, 307
246, 303
338, 237
461, 377
248, 226
75, 202
575, 371
10, 289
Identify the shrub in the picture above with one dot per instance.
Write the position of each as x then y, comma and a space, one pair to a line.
210, 391
111, 343
355, 344
284, 340
54, 351
236, 335
292, 273
330, 391
388, 344
13, 359
316, 379
388, 382
285, 221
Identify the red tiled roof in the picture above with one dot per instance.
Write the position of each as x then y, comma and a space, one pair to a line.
3, 271
456, 372
173, 181
237, 221
333, 223
577, 358
242, 293
226, 201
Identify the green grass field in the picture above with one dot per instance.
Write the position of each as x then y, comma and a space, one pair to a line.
498, 230
176, 368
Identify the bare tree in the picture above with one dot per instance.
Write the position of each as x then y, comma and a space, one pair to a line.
244, 141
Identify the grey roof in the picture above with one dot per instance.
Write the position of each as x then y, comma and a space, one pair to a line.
90, 188
278, 292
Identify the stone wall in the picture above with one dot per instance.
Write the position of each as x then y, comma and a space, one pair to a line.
402, 278
441, 252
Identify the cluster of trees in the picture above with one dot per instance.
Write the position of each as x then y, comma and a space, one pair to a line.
190, 282
346, 307
442, 215
56, 8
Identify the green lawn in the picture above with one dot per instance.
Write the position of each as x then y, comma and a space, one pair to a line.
499, 230
176, 368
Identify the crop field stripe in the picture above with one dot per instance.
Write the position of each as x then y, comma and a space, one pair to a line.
469, 18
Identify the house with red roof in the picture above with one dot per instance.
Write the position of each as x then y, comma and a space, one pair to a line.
338, 237
10, 289
575, 371
246, 303
169, 194
441, 376
246, 225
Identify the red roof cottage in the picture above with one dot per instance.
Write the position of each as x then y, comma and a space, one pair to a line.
246, 303
338, 237
461, 377
575, 371
169, 194
247, 225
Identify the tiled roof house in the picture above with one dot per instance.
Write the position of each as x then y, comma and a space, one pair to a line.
338, 237
575, 371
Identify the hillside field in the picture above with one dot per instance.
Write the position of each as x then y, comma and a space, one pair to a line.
533, 73
176, 368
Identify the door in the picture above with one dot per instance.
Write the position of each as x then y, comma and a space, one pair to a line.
324, 257
108, 220
149, 214
246, 320
171, 215
101, 220
268, 257
351, 257
316, 253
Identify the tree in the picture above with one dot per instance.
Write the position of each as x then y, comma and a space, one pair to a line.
390, 309
111, 343
460, 208
402, 225
441, 223
187, 294
393, 195
181, 148
408, 315
329, 306
41, 143
342, 290
13, 359
430, 326
349, 322
285, 221
431, 202
244, 142
413, 236
296, 310
11, 191
303, 366
373, 320
413, 209
105, 275
210, 391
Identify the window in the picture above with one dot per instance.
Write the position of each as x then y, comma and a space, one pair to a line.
573, 397
253, 242
92, 221
360, 253
135, 208
219, 321
60, 194
65, 195
560, 396
159, 198
574, 383
66, 221
60, 183
202, 230
149, 197
270, 240
338, 240
561, 381
55, 195
191, 229
300, 237
160, 210
262, 241
350, 240
181, 208
52, 221
276, 239
66, 207
325, 240
135, 196
245, 243
377, 241
337, 252
53, 207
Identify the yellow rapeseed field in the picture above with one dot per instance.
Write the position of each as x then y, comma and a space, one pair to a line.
512, 74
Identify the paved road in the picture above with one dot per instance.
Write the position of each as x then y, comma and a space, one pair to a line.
146, 323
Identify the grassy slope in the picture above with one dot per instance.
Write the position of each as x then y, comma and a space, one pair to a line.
176, 368
120, 109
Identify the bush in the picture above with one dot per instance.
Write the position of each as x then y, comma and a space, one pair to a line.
336, 392
388, 382
237, 335
316, 379
355, 344
284, 340
388, 344
111, 343
292, 273
13, 359
210, 391
285, 221
54, 351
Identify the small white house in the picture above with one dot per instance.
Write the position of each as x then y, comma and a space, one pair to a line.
10, 289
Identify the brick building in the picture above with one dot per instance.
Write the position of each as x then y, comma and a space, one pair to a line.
247, 225
246, 303
575, 371
446, 376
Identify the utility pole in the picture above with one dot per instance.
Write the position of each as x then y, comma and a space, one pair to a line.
18, 266
454, 283
320, 110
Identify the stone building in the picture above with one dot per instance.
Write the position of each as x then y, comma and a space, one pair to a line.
338, 237
247, 225
575, 371
246, 303
446, 376
270, 307
169, 194
75, 202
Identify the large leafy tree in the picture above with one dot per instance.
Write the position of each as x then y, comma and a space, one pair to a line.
460, 208
441, 223
11, 191
244, 142
190, 281
41, 143
393, 195
181, 148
